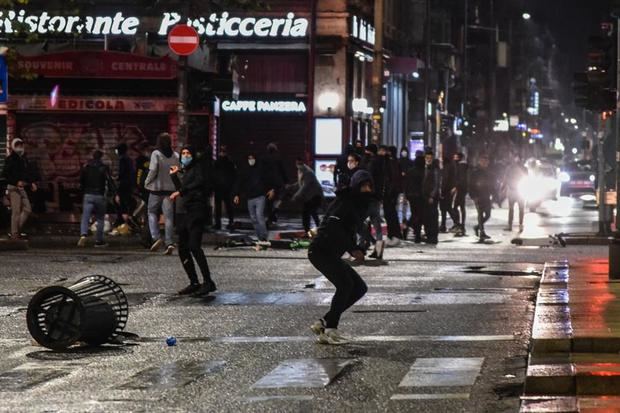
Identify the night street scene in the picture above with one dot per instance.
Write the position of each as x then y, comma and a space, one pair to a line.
309, 206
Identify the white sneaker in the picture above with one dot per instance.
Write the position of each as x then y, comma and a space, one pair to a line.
332, 337
169, 250
318, 327
156, 245
82, 242
393, 242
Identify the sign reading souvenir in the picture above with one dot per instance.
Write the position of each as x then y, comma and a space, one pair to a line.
98, 64
218, 25
183, 40
263, 106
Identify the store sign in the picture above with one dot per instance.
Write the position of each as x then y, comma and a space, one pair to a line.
216, 25
98, 64
92, 104
263, 106
362, 30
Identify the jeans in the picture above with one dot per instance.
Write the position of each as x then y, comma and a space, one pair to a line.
256, 207
404, 213
155, 203
93, 204
349, 285
20, 208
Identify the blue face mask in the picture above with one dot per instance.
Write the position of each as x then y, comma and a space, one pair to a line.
186, 160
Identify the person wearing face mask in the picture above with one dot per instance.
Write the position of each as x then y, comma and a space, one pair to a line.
341, 164
225, 179
190, 215
252, 185
16, 173
353, 165
337, 235
309, 192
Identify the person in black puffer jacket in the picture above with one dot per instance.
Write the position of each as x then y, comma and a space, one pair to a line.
190, 216
337, 235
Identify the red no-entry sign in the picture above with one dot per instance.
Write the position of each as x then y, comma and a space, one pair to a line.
183, 40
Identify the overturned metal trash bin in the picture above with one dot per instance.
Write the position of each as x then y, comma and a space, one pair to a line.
94, 310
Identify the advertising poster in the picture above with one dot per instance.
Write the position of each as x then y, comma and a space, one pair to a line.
324, 171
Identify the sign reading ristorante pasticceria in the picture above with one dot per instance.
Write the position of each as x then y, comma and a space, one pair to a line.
222, 25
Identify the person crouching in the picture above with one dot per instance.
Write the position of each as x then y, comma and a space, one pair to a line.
190, 217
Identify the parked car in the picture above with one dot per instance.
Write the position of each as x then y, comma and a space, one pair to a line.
578, 180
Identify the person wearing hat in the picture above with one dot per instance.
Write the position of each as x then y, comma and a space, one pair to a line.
16, 173
337, 235
480, 190
191, 204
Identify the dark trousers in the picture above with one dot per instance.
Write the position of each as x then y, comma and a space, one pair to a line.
349, 285
511, 209
430, 218
484, 213
391, 216
310, 209
446, 209
226, 198
189, 229
459, 213
415, 222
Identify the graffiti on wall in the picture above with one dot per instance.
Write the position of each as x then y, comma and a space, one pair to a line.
60, 148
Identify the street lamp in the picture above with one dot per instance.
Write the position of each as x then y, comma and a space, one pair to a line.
416, 75
328, 101
526, 16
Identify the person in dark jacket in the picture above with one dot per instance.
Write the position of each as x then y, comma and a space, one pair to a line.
353, 165
413, 192
252, 184
189, 182
125, 186
337, 235
430, 197
481, 187
95, 181
341, 164
392, 187
448, 191
225, 175
513, 176
402, 207
16, 172
276, 179
459, 212
308, 191
140, 214
374, 164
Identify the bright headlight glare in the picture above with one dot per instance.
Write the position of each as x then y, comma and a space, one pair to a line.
564, 177
592, 178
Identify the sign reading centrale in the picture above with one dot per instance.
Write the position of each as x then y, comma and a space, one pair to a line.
263, 106
222, 25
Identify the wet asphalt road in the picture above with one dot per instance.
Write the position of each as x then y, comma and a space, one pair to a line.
442, 329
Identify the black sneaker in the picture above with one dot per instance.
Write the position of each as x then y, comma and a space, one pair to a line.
100, 244
190, 289
443, 229
476, 230
206, 288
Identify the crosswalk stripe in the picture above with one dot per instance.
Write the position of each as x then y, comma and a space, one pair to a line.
432, 396
304, 373
431, 372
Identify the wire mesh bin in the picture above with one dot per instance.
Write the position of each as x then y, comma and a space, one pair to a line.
94, 310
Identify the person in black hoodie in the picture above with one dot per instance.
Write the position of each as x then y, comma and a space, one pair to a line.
458, 208
17, 175
404, 213
225, 178
276, 179
252, 183
337, 235
95, 181
190, 216
393, 184
481, 188
448, 191
513, 176
126, 184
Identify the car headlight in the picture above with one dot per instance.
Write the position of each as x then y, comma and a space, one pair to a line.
564, 177
592, 178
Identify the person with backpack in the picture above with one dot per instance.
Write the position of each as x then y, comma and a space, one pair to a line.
160, 187
95, 182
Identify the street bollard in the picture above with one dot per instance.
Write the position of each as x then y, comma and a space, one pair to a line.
614, 259
94, 310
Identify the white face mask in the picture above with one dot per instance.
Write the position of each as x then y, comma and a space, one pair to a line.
351, 165
404, 154
251, 162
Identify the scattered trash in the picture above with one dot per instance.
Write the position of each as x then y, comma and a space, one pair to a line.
171, 341
510, 376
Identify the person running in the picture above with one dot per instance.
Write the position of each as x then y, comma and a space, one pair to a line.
160, 185
480, 191
337, 235
95, 181
190, 216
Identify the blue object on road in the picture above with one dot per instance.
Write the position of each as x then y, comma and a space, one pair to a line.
171, 341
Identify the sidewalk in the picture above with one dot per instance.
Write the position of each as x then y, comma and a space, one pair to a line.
574, 362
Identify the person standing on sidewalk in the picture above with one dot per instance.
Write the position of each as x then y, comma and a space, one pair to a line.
308, 192
430, 197
95, 182
481, 189
337, 235
413, 192
16, 173
448, 191
190, 215
252, 184
225, 179
160, 185
402, 207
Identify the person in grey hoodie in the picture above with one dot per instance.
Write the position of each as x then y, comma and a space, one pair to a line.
160, 187
308, 192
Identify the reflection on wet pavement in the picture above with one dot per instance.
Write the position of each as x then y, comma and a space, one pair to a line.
171, 375
427, 372
304, 373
